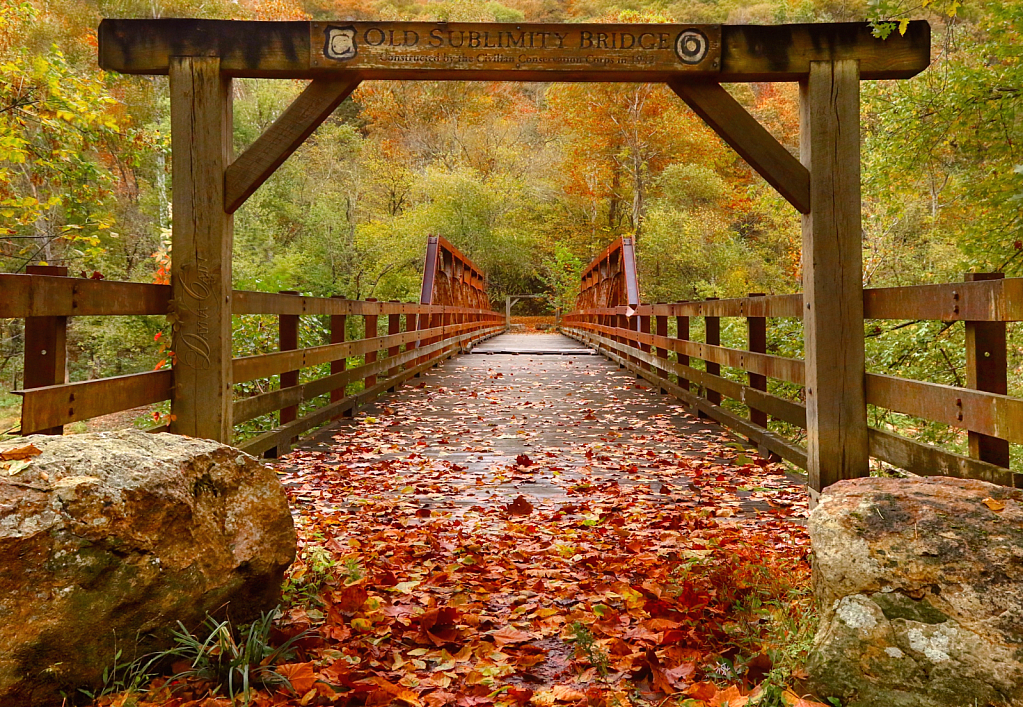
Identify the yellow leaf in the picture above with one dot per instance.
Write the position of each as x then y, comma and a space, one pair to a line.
994, 505
903, 26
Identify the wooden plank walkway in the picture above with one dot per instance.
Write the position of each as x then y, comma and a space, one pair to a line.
575, 420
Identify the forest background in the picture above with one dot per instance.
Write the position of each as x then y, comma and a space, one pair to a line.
529, 180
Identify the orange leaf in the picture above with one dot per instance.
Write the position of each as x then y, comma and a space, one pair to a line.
510, 635
300, 675
703, 690
994, 505
564, 693
29, 450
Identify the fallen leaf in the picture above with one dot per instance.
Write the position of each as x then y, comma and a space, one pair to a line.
520, 507
300, 676
565, 693
25, 452
509, 634
994, 505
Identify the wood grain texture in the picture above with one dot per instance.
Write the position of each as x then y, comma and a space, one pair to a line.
926, 460
285, 50
48, 296
756, 330
254, 166
987, 369
836, 408
45, 353
909, 455
44, 408
202, 129
990, 414
780, 367
749, 138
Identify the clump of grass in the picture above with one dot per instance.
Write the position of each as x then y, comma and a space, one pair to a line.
588, 646
233, 661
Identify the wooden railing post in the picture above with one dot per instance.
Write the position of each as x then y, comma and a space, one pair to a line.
682, 332
829, 147
712, 329
661, 328
757, 330
371, 333
201, 142
986, 369
338, 334
644, 328
393, 327
624, 323
45, 348
287, 338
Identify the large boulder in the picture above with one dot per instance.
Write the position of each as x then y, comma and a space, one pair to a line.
107, 539
920, 587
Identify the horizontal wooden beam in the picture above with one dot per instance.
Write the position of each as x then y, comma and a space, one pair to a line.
927, 460
772, 441
254, 166
780, 367
284, 434
256, 405
792, 412
511, 52
903, 453
248, 368
749, 138
975, 410
43, 408
249, 302
48, 296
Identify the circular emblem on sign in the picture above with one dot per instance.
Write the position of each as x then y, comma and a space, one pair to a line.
340, 44
691, 46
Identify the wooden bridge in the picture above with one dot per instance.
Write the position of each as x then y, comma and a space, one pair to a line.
831, 389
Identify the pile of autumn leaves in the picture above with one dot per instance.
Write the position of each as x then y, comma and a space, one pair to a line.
616, 598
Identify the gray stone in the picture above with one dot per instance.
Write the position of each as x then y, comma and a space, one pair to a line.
108, 539
920, 588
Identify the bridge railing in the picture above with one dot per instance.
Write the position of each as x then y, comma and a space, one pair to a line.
412, 338
637, 338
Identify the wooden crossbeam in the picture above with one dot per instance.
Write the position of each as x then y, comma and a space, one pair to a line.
749, 138
511, 52
254, 166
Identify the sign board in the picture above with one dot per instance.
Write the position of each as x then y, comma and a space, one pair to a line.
383, 49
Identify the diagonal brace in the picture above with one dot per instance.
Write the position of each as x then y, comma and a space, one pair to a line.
749, 138
268, 152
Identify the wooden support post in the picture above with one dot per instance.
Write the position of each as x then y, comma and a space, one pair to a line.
393, 327
644, 328
371, 333
202, 133
287, 338
712, 330
682, 332
756, 327
661, 328
986, 369
45, 348
338, 333
624, 324
829, 146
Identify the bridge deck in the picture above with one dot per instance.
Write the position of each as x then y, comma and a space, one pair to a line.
492, 513
578, 418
